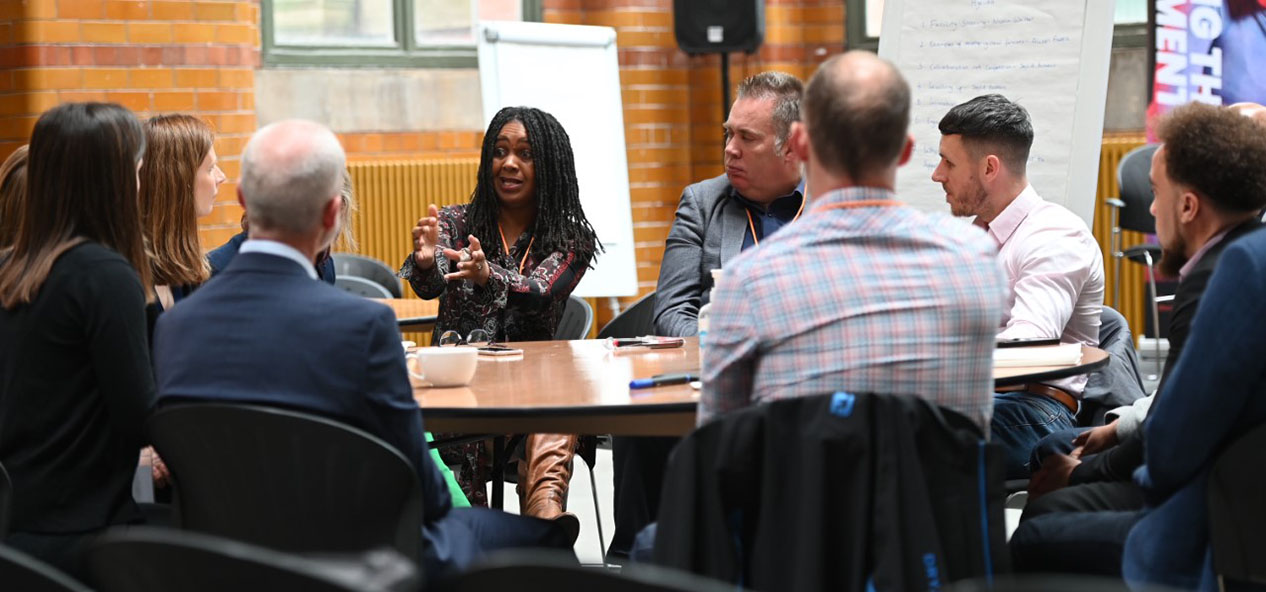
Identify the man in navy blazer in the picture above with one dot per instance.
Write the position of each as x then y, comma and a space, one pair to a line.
266, 331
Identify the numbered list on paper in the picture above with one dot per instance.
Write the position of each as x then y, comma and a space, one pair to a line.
952, 51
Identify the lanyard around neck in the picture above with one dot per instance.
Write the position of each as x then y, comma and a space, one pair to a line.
752, 225
506, 246
865, 203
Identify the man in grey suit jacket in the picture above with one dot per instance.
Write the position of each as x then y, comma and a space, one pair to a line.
759, 193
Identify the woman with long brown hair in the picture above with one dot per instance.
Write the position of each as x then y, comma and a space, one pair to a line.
75, 377
179, 181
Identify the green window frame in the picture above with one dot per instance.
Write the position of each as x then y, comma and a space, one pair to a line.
1123, 34
405, 53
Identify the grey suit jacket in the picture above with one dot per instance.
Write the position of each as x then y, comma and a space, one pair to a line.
707, 232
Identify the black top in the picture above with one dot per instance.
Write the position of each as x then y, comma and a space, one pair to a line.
75, 387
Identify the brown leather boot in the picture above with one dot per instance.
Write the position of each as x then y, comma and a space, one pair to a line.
544, 477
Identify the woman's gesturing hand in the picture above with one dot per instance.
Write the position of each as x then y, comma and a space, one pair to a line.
471, 263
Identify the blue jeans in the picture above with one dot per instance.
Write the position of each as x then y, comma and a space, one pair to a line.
1022, 419
1059, 442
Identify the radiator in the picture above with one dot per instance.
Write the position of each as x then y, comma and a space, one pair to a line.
1133, 275
392, 195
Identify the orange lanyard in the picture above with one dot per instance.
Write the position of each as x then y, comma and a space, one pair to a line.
752, 225
865, 203
506, 246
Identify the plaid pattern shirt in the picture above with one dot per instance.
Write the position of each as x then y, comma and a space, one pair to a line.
878, 299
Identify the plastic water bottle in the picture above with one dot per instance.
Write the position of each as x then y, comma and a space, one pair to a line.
705, 311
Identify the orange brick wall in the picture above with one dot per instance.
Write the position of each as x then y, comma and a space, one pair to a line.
152, 57
672, 102
413, 145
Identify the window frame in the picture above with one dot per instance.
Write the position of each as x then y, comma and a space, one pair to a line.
1123, 35
406, 52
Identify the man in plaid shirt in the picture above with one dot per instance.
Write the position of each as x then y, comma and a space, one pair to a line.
862, 293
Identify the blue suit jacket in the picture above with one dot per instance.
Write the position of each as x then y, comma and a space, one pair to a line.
1215, 394
220, 257
264, 332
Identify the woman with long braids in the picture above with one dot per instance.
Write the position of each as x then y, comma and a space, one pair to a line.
505, 263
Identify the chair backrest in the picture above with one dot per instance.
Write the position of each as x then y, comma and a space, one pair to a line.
576, 321
636, 320
6, 501
1119, 383
361, 287
518, 570
1134, 183
19, 571
1237, 487
158, 560
348, 265
742, 493
287, 480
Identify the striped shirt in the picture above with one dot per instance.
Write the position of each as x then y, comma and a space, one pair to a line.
878, 299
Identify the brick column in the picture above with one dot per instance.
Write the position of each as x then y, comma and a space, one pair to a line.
151, 57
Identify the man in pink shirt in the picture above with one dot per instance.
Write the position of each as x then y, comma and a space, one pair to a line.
1053, 265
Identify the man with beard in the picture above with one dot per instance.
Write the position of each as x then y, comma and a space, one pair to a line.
1208, 184
1053, 264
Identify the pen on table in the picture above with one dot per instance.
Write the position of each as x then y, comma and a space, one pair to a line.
663, 380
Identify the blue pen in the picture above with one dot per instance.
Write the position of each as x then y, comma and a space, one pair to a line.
662, 380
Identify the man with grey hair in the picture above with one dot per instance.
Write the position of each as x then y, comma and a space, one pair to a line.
759, 193
265, 331
857, 298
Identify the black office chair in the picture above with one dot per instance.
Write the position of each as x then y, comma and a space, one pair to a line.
159, 560
577, 320
19, 571
6, 500
287, 480
1132, 212
1237, 487
636, 320
544, 572
348, 265
361, 287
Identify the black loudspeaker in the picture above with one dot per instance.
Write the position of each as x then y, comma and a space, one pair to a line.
717, 26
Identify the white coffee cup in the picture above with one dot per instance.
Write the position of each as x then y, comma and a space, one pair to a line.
445, 366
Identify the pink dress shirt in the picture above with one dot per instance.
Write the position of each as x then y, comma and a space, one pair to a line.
1055, 271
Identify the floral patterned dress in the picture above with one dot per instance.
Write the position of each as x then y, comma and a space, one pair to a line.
515, 305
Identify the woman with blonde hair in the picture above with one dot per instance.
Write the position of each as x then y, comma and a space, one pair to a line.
179, 181
75, 376
223, 254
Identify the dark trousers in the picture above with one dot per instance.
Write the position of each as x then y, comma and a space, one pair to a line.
1078, 529
466, 535
639, 464
1068, 542
67, 551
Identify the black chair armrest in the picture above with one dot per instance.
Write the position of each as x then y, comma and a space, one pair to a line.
1136, 253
